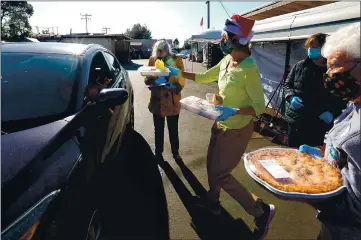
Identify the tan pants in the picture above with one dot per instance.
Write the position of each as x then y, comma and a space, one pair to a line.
224, 153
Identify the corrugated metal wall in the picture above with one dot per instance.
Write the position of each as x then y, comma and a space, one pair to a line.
122, 51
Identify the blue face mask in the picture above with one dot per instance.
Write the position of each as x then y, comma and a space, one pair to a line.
314, 53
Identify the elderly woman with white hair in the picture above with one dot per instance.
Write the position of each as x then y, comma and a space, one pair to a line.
164, 101
341, 215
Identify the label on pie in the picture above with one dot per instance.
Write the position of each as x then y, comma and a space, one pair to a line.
276, 170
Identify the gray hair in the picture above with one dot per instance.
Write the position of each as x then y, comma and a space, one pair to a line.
345, 39
161, 45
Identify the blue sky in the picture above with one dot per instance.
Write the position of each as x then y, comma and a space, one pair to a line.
165, 19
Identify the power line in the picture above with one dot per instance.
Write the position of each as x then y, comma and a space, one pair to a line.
86, 17
228, 9
225, 9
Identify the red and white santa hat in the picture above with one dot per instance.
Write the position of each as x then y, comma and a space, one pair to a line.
241, 27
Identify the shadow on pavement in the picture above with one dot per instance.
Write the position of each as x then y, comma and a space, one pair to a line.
132, 66
133, 203
207, 225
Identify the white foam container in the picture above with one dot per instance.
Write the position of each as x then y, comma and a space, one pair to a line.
147, 71
250, 168
201, 107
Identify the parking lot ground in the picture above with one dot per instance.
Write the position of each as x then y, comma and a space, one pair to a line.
293, 220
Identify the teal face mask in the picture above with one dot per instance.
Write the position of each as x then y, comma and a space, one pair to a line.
225, 48
314, 53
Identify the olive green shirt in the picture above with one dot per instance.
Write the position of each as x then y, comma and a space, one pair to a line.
239, 89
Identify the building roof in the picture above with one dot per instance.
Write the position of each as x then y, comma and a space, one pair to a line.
46, 48
149, 40
277, 8
117, 36
136, 43
302, 24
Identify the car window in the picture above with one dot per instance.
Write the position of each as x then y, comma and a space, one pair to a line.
36, 85
113, 63
100, 77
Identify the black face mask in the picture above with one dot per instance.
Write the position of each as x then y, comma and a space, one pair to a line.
342, 85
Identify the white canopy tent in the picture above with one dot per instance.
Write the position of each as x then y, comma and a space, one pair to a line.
208, 34
199, 41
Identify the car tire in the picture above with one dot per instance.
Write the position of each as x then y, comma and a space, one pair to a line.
73, 218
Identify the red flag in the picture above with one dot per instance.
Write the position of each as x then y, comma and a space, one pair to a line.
201, 22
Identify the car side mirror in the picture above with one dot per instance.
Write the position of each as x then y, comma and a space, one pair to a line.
110, 98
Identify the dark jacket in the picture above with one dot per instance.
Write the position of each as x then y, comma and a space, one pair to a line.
306, 82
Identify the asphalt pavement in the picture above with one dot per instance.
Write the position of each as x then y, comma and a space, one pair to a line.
293, 220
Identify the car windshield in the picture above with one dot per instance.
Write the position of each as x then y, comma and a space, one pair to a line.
36, 85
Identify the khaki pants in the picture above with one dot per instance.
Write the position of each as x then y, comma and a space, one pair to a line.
224, 153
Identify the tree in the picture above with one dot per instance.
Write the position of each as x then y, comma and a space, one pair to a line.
176, 43
139, 32
15, 19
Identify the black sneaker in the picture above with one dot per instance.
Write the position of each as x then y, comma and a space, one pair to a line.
263, 222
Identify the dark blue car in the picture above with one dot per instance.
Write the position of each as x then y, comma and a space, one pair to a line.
67, 116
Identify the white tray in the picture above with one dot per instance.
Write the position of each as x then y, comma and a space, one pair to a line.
290, 195
152, 71
201, 107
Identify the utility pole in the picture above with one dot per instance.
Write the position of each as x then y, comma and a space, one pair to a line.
106, 29
209, 14
86, 17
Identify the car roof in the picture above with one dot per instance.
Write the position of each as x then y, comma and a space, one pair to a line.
48, 48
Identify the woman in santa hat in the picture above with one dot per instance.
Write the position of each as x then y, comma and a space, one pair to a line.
242, 98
